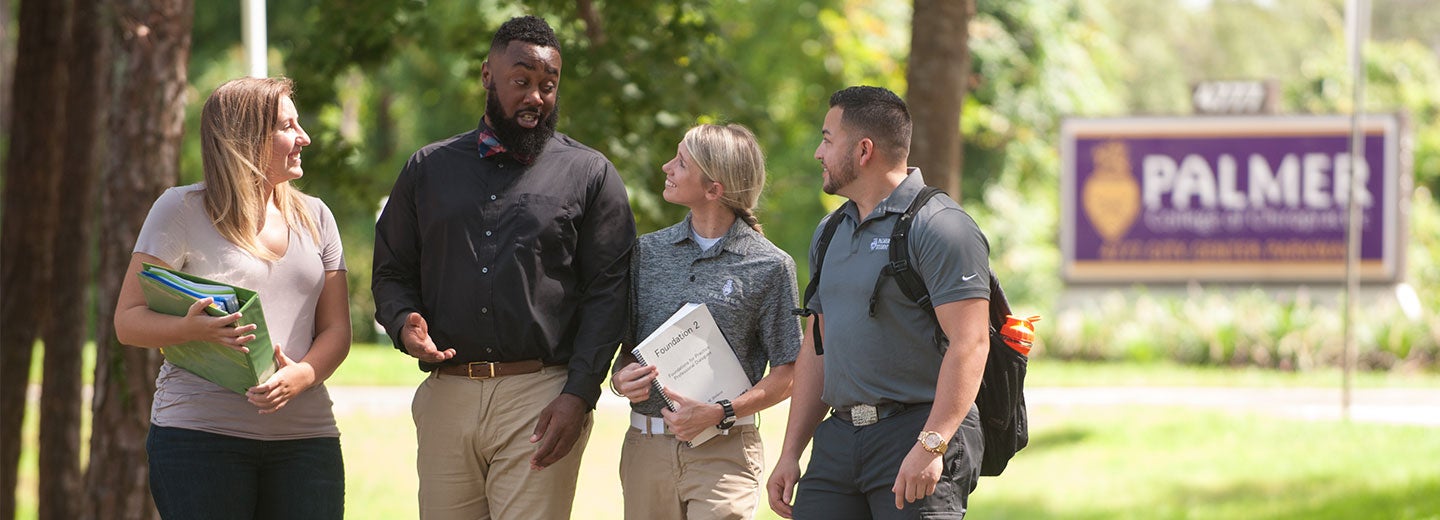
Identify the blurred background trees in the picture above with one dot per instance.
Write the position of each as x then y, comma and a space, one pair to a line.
390, 76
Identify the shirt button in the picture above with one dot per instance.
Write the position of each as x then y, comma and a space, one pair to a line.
484, 310
692, 277
484, 269
489, 350
492, 197
488, 233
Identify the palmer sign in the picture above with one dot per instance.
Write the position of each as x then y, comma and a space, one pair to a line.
1225, 198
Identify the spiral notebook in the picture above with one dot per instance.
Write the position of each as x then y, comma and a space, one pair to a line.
694, 360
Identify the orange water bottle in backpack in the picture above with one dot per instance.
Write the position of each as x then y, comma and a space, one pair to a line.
1019, 333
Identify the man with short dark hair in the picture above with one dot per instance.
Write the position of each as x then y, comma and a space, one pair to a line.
903, 439
501, 263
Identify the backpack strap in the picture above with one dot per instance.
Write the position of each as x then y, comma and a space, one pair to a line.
910, 282
900, 267
999, 306
822, 246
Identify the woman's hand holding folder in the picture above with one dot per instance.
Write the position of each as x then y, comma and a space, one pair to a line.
289, 380
197, 325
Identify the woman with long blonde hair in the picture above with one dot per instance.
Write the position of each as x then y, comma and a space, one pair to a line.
716, 256
273, 452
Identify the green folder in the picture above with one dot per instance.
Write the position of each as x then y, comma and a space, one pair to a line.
215, 362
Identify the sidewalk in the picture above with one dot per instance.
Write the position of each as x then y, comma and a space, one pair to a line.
1378, 405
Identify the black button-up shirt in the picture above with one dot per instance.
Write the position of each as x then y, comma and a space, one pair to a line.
507, 261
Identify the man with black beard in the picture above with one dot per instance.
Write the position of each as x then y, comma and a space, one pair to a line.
501, 263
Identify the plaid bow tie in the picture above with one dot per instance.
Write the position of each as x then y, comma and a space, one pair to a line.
490, 145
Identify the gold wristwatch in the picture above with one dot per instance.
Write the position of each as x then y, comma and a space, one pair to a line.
933, 442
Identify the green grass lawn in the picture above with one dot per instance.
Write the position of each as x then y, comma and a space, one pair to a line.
1155, 463
1086, 462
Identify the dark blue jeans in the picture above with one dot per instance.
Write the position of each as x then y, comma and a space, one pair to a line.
195, 474
852, 469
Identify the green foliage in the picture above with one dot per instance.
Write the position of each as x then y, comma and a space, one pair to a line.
378, 79
1250, 327
1400, 77
1037, 62
1034, 62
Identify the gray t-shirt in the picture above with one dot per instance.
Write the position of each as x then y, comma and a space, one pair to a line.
178, 232
893, 356
747, 282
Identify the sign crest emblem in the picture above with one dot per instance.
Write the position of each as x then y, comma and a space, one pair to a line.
1111, 196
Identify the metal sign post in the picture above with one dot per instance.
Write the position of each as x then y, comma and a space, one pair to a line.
1358, 13
252, 28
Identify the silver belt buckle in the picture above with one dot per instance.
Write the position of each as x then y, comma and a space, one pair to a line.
863, 415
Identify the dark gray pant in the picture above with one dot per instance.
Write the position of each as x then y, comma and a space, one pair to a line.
852, 469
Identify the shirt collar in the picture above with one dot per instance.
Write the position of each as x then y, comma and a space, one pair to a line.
737, 240
898, 200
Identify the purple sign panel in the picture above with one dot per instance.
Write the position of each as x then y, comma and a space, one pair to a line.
1225, 198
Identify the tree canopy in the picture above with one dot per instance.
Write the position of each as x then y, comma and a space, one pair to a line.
388, 76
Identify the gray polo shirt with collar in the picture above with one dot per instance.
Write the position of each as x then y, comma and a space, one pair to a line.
748, 284
893, 356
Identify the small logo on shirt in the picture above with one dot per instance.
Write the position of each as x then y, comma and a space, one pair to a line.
880, 244
728, 288
968, 278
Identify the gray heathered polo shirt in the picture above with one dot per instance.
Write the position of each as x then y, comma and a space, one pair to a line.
748, 284
892, 357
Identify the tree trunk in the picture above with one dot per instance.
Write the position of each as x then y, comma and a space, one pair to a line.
32, 174
73, 219
147, 115
7, 64
937, 76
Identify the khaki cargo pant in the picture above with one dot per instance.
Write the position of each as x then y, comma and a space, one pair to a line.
663, 478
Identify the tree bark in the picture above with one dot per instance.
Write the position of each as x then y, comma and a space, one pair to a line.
73, 220
937, 77
7, 64
151, 41
594, 27
32, 174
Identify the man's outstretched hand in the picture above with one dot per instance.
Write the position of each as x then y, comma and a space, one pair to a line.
416, 337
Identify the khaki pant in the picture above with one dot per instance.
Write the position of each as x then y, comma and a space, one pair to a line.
474, 448
663, 478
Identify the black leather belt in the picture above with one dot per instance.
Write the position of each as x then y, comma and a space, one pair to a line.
867, 414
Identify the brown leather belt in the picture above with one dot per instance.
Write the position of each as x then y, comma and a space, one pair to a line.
488, 369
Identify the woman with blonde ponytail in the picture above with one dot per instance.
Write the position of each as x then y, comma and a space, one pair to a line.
716, 256
273, 452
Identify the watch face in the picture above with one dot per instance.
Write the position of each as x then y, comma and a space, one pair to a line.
931, 441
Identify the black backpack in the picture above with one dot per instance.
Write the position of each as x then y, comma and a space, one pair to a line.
1002, 388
